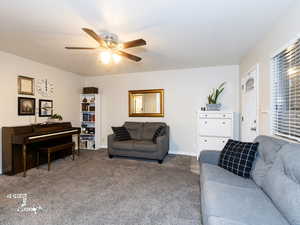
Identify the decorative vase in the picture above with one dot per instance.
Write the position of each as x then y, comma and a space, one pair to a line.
213, 107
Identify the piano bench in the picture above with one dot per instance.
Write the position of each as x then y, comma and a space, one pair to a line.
55, 148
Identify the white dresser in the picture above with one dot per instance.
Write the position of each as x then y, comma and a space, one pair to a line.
214, 128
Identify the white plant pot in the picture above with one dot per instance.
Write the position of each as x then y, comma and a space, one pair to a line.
54, 120
213, 107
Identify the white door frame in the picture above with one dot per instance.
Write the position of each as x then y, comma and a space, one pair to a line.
255, 67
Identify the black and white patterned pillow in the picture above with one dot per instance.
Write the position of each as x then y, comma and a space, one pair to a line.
121, 133
238, 157
159, 132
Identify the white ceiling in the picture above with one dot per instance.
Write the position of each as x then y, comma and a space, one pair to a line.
179, 34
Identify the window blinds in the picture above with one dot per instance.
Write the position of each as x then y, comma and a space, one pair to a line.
286, 92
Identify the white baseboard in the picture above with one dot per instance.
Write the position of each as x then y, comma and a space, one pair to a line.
182, 153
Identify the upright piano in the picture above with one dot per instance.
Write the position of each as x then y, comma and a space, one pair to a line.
19, 144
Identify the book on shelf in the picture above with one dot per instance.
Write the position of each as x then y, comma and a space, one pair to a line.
87, 144
86, 107
87, 117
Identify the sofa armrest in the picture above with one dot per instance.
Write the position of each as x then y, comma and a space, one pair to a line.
210, 157
110, 140
163, 144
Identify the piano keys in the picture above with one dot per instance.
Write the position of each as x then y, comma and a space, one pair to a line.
39, 137
19, 144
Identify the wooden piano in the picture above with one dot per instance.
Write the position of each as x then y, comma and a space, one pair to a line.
19, 144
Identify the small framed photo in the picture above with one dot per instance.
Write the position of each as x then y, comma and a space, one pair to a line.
45, 108
26, 106
25, 85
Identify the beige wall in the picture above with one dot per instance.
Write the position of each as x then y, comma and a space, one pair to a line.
186, 92
67, 88
283, 31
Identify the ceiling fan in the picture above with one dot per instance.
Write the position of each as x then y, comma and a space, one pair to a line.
110, 42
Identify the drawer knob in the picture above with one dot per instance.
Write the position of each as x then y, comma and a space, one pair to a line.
205, 140
224, 123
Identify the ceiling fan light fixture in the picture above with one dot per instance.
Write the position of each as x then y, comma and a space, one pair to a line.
114, 49
105, 57
120, 46
116, 58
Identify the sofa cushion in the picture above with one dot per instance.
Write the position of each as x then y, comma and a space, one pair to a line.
150, 128
267, 152
135, 129
126, 145
241, 205
121, 134
282, 183
145, 146
210, 157
217, 174
215, 220
237, 157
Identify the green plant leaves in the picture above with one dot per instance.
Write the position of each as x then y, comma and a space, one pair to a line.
213, 97
56, 116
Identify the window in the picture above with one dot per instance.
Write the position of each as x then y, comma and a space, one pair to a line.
286, 92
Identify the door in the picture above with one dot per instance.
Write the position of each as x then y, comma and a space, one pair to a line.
249, 102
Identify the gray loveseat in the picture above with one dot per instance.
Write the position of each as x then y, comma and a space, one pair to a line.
141, 145
270, 197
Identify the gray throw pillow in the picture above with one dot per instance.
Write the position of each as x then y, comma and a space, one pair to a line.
159, 132
121, 133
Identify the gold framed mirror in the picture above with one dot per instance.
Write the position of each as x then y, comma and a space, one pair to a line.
146, 103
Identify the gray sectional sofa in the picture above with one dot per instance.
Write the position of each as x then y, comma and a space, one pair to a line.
141, 145
270, 197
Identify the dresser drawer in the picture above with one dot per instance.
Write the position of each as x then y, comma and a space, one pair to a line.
216, 115
211, 143
215, 127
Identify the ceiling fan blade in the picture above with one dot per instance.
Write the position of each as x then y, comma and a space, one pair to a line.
95, 36
129, 56
134, 43
80, 48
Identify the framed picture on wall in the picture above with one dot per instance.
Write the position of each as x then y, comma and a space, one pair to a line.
45, 108
26, 106
25, 85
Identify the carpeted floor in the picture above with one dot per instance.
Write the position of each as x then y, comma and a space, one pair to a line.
96, 190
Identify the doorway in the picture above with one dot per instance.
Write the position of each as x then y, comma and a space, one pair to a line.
250, 105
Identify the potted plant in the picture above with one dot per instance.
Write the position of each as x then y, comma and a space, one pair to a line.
55, 118
213, 104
